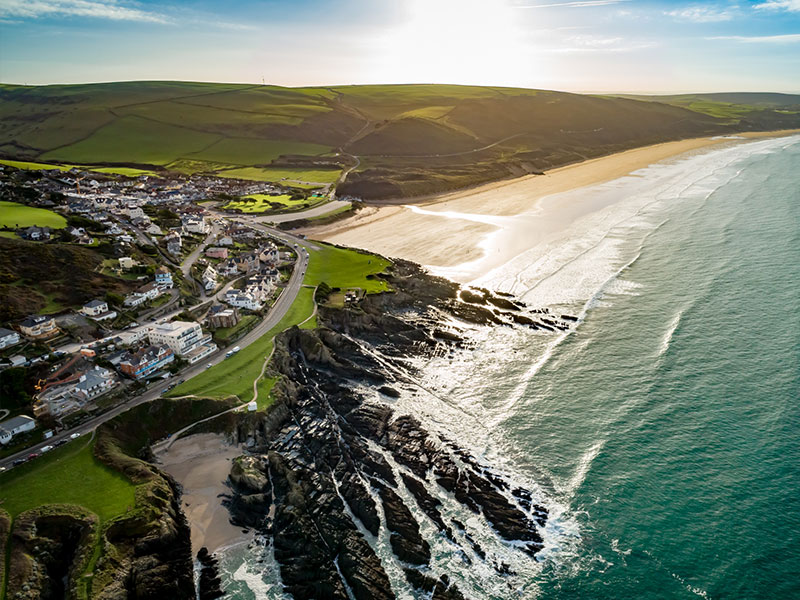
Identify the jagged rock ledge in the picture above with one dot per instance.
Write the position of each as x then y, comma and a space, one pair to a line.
332, 470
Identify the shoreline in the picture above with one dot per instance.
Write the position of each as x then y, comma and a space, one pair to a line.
200, 463
461, 222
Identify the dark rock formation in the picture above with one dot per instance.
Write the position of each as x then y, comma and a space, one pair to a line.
331, 471
208, 587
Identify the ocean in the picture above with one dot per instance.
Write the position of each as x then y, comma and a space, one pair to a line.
663, 431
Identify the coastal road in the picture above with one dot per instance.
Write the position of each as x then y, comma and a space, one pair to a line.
275, 315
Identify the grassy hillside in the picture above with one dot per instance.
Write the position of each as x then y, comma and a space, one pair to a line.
409, 139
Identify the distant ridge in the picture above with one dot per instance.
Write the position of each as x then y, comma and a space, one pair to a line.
404, 140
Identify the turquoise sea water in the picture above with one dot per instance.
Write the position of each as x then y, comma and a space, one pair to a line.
664, 431
674, 409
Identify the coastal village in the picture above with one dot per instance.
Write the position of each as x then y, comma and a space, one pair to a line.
196, 280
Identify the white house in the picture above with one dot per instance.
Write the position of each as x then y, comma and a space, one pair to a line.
194, 224
149, 291
15, 426
163, 278
242, 299
94, 382
186, 339
95, 308
209, 278
8, 338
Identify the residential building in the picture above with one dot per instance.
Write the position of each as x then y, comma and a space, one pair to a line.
209, 278
147, 360
217, 252
194, 224
127, 263
173, 242
15, 426
149, 291
95, 308
94, 383
225, 241
183, 337
36, 234
153, 229
8, 338
228, 268
38, 326
242, 299
163, 278
223, 316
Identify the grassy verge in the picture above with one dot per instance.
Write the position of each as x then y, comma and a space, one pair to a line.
259, 203
224, 334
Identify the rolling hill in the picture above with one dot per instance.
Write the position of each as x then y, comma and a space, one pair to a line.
405, 139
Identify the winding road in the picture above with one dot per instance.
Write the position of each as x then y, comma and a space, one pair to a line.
275, 315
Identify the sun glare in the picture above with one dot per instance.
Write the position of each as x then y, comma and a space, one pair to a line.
475, 41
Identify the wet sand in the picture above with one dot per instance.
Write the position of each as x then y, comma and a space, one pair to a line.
201, 463
448, 230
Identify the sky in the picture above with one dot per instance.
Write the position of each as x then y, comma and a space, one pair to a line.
636, 46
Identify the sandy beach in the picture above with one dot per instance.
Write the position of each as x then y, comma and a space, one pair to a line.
201, 463
452, 229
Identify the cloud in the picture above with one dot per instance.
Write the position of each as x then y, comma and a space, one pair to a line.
788, 38
788, 5
591, 43
98, 9
701, 14
576, 4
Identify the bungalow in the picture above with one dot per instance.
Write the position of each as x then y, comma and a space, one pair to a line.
153, 229
8, 338
149, 291
15, 426
225, 241
38, 326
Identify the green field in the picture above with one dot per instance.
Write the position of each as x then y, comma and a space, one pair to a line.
243, 151
335, 266
288, 176
410, 139
19, 215
262, 203
137, 140
69, 475
34, 166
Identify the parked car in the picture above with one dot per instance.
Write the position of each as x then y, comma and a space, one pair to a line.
209, 365
75, 436
33, 455
45, 449
18, 462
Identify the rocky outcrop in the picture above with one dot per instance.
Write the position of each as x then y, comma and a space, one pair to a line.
50, 547
208, 585
335, 471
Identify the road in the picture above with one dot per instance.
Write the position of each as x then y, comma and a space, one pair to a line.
306, 214
275, 315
